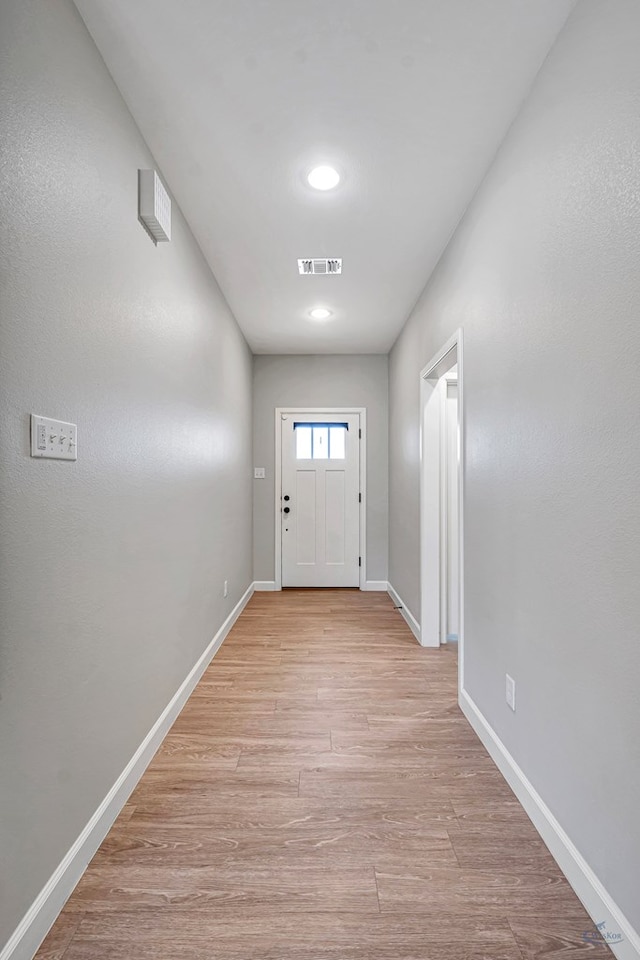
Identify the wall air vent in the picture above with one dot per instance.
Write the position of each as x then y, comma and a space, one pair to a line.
323, 266
154, 206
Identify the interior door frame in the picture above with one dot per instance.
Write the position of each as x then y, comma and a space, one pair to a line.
431, 426
362, 522
443, 386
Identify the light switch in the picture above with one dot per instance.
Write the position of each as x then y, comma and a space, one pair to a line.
53, 439
259, 473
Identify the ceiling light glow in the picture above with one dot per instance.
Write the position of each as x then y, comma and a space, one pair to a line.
324, 178
320, 313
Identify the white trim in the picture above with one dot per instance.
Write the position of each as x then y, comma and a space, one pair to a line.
443, 452
277, 529
446, 381
363, 498
595, 898
414, 626
376, 585
430, 421
334, 411
264, 586
41, 915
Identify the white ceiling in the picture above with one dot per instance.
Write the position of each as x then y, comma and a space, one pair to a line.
238, 99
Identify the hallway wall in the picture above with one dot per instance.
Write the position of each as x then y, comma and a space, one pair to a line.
111, 568
543, 276
315, 381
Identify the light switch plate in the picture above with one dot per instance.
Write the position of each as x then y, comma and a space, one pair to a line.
259, 473
53, 439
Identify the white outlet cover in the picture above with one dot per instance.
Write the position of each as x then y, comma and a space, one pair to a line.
259, 473
53, 439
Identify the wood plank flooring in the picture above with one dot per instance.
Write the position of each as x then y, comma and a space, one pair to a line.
321, 797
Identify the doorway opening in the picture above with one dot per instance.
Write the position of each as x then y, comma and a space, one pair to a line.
320, 488
441, 498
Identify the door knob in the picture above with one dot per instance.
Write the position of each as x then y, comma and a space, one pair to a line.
287, 510
286, 497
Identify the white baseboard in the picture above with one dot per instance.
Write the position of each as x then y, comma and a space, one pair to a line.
414, 626
596, 900
262, 586
43, 912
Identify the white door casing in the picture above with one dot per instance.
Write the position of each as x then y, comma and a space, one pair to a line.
451, 459
432, 410
320, 520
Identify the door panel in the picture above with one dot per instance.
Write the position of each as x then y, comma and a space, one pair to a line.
335, 513
305, 500
321, 478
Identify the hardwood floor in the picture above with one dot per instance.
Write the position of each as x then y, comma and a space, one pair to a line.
322, 796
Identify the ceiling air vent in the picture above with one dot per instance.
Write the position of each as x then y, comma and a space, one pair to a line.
320, 266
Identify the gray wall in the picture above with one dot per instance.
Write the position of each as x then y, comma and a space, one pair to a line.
543, 275
333, 381
111, 567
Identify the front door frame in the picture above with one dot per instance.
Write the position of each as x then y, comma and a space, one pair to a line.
334, 412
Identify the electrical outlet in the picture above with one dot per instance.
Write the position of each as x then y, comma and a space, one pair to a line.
225, 589
511, 692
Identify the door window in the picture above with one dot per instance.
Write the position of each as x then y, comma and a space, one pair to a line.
321, 441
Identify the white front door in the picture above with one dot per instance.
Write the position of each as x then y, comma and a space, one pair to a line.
320, 499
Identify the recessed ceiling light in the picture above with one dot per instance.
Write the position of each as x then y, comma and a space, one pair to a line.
324, 178
320, 313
